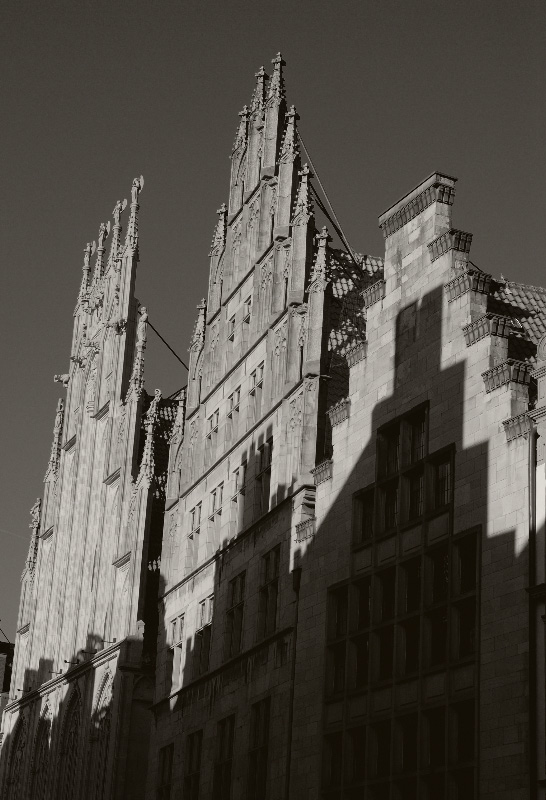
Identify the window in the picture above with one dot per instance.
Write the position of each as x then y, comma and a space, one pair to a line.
255, 395
439, 564
238, 500
339, 610
215, 516
234, 615
192, 544
364, 594
232, 419
408, 737
269, 593
363, 516
382, 737
333, 761
177, 651
411, 592
361, 661
164, 772
389, 451
442, 482
411, 632
211, 439
466, 563
263, 477
203, 635
231, 328
390, 505
357, 748
437, 631
466, 624
247, 310
336, 668
221, 789
385, 639
258, 750
387, 584
436, 738
418, 439
192, 765
416, 492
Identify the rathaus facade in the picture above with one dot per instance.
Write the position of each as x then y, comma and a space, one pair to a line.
318, 571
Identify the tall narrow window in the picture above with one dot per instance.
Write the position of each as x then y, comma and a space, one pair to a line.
442, 482
164, 772
263, 477
203, 635
177, 648
234, 615
332, 765
215, 515
363, 516
258, 750
230, 349
238, 500
223, 759
417, 436
211, 439
192, 765
269, 593
232, 418
192, 544
255, 395
247, 313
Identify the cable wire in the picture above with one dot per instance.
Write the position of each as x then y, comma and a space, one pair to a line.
168, 345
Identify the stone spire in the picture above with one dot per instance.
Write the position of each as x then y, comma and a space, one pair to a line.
258, 97
136, 381
54, 458
35, 514
116, 230
241, 136
321, 267
147, 465
289, 147
87, 253
303, 210
104, 230
276, 91
219, 238
131, 237
198, 337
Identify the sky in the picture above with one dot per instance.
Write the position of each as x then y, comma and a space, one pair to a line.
94, 94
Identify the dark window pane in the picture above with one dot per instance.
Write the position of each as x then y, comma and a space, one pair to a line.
435, 787
417, 436
337, 658
362, 659
388, 583
416, 494
464, 783
407, 789
333, 752
363, 516
438, 637
386, 648
465, 730
467, 627
392, 448
390, 498
383, 745
340, 608
412, 576
364, 597
442, 483
357, 771
467, 564
440, 574
436, 737
411, 637
409, 742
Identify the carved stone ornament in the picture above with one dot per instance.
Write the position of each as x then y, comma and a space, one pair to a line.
296, 412
64, 379
55, 456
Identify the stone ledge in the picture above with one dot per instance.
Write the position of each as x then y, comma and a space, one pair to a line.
373, 293
339, 412
503, 373
450, 240
323, 471
487, 325
356, 353
436, 189
305, 529
520, 425
468, 281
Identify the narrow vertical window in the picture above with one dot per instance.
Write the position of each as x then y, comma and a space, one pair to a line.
223, 760
255, 395
203, 635
234, 615
363, 516
192, 765
164, 772
258, 750
269, 593
263, 477
238, 500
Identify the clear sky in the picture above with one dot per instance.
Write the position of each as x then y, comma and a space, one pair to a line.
96, 93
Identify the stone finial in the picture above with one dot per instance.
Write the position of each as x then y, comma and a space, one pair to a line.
258, 97
55, 456
136, 382
147, 465
276, 91
321, 267
87, 253
131, 237
219, 238
289, 147
104, 231
303, 210
35, 516
242, 130
198, 337
116, 213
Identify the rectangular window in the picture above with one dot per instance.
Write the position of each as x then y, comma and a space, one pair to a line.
238, 500
390, 505
385, 640
442, 482
466, 624
411, 631
333, 761
258, 750
338, 612
360, 647
417, 436
192, 543
255, 395
247, 309
437, 632
364, 596
411, 592
387, 586
263, 477
177, 648
389, 451
211, 438
416, 492
192, 765
203, 635
357, 764
438, 583
223, 761
215, 516
269, 593
466, 562
232, 418
465, 725
436, 738
409, 741
234, 615
382, 737
164, 773
363, 516
336, 667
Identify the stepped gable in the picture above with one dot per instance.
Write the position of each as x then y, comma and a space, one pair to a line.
526, 307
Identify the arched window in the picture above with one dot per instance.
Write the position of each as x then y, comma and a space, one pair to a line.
15, 769
40, 762
70, 750
100, 738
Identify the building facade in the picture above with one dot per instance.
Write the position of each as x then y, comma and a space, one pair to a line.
318, 571
77, 719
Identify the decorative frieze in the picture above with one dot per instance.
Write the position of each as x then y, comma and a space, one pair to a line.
355, 353
470, 280
435, 193
339, 412
509, 370
373, 293
520, 425
323, 471
487, 325
305, 529
450, 240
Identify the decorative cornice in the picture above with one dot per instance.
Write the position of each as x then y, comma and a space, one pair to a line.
470, 280
373, 293
323, 471
487, 325
437, 192
450, 240
520, 425
306, 529
340, 411
356, 353
509, 370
